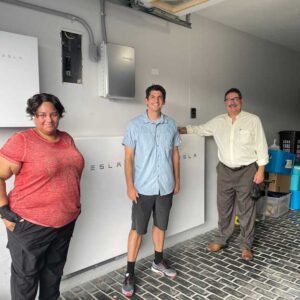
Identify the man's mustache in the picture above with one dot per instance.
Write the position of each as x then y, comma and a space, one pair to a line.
232, 105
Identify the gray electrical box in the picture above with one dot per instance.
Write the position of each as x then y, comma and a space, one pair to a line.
117, 72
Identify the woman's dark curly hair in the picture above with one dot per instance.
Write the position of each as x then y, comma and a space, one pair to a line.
36, 101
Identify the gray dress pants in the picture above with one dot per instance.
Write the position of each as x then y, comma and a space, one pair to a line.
233, 198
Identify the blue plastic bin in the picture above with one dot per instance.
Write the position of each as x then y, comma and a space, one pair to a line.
295, 200
295, 179
280, 162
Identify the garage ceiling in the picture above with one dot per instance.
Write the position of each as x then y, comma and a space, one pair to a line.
277, 21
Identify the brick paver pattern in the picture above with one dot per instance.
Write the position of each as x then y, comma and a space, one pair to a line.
274, 272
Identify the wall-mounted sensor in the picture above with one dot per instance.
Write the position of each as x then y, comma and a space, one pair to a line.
193, 113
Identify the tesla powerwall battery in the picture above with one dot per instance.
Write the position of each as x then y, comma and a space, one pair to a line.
117, 72
19, 77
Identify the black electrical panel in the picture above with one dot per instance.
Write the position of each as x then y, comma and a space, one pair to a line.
71, 57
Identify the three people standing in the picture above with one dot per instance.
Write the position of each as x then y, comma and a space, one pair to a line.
41, 210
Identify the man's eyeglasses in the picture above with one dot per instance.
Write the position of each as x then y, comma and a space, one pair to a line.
52, 115
235, 99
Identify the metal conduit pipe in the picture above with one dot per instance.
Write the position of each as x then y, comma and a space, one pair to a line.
93, 52
157, 12
102, 18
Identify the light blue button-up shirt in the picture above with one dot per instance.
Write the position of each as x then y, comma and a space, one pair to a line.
153, 143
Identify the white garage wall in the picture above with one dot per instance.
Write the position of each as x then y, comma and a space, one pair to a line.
196, 66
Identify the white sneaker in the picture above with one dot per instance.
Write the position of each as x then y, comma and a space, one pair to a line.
163, 269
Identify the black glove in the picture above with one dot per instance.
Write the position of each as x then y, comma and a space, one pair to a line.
9, 215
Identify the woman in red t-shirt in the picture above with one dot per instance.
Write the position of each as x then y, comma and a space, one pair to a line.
40, 211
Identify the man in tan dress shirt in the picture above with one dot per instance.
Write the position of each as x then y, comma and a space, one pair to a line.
243, 154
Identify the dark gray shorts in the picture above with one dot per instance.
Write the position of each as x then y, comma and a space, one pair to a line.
141, 212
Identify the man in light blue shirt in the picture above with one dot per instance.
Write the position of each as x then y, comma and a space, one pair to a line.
152, 176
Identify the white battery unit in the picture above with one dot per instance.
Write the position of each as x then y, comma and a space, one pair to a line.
19, 77
117, 72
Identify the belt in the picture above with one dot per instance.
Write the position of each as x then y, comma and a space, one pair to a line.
237, 168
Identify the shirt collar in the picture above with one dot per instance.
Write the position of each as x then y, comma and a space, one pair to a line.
162, 119
237, 117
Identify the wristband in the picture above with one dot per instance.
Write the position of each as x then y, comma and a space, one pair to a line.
9, 215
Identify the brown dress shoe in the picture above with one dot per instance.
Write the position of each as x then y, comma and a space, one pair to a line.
247, 254
214, 247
